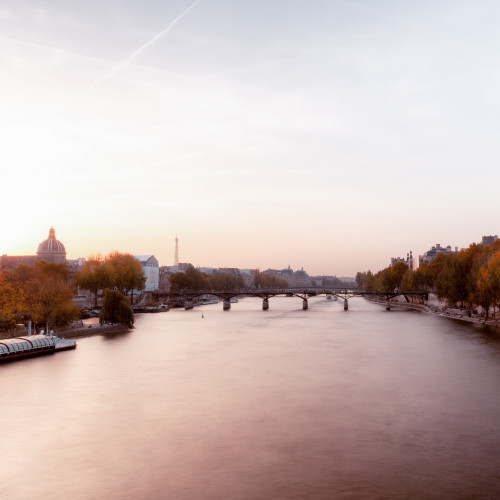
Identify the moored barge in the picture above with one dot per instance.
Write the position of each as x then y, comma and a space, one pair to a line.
33, 345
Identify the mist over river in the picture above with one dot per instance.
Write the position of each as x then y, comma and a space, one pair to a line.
252, 404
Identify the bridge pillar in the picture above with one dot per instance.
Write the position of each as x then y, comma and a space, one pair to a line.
188, 304
305, 305
265, 304
388, 305
346, 305
226, 305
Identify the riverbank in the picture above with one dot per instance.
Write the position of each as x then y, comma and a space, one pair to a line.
445, 312
463, 316
92, 329
78, 329
400, 305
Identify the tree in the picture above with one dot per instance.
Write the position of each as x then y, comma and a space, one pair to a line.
257, 278
457, 280
392, 276
435, 267
369, 282
423, 278
116, 308
451, 282
94, 276
180, 281
199, 280
126, 272
263, 280
225, 282
44, 293
494, 278
360, 279
11, 301
409, 281
195, 280
487, 290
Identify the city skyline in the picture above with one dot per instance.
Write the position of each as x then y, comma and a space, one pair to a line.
176, 261
325, 135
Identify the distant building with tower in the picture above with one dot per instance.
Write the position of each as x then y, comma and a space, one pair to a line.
430, 255
49, 250
408, 261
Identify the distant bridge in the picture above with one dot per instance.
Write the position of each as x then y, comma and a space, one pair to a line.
188, 297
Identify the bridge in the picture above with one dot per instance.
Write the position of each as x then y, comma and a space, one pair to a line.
188, 297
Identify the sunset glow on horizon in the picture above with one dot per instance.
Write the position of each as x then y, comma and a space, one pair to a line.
329, 136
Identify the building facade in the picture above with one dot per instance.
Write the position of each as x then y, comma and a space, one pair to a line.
151, 270
408, 261
486, 240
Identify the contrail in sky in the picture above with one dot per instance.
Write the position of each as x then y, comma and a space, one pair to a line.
123, 64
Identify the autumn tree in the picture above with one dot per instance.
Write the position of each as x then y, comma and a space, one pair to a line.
126, 272
494, 278
457, 279
392, 276
44, 292
487, 289
451, 282
11, 301
94, 276
470, 277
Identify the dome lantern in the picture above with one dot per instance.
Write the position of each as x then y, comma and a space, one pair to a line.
51, 250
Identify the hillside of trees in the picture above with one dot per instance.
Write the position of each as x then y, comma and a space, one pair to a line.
466, 279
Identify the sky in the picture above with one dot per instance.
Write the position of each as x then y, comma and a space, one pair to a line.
323, 135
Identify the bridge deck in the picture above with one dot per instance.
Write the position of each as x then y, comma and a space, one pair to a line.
303, 293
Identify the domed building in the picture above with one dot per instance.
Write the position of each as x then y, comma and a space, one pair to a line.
51, 249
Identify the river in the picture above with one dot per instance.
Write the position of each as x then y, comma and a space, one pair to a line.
252, 404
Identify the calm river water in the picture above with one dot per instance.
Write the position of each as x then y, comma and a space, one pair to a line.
252, 404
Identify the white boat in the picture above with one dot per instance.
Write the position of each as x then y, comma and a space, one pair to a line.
33, 345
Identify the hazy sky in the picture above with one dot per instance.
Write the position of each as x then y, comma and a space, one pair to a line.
328, 135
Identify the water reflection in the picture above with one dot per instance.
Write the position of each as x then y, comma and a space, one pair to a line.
252, 404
